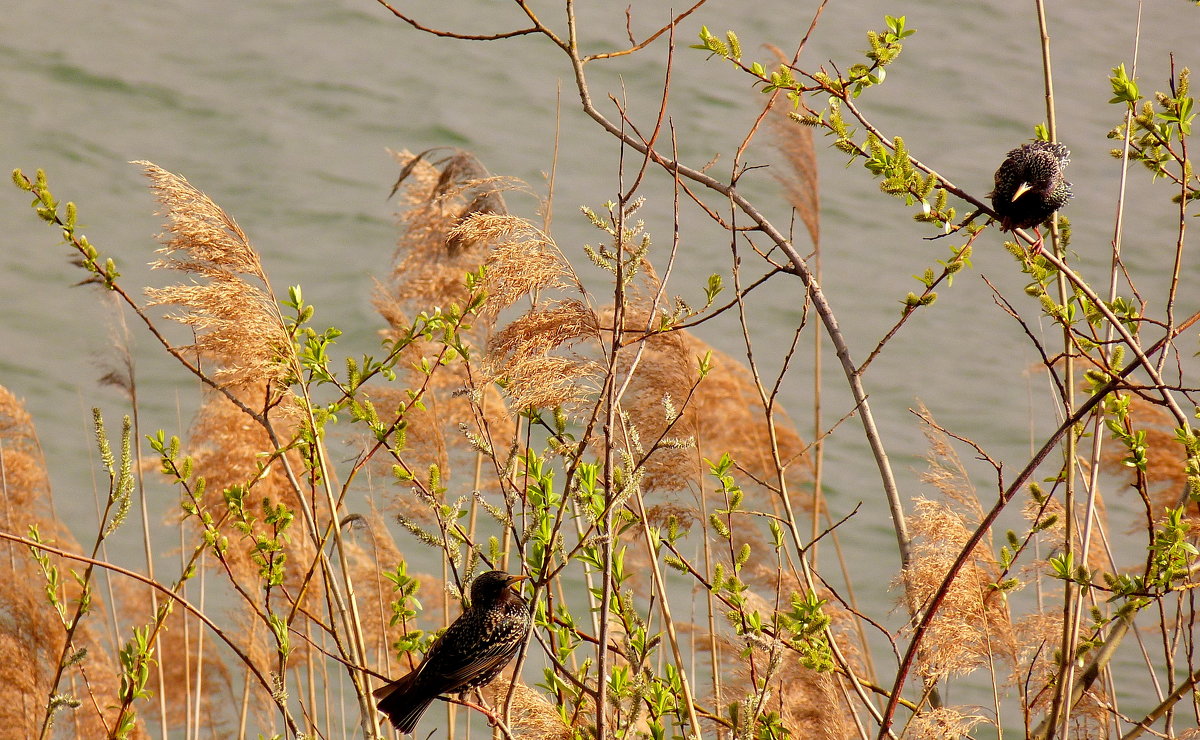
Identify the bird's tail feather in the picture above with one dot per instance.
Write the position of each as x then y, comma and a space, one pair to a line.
403, 710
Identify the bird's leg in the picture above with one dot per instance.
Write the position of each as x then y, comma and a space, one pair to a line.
1036, 248
484, 707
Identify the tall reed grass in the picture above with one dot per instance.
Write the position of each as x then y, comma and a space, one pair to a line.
686, 576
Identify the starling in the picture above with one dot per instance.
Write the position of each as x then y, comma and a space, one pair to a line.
470, 653
1030, 186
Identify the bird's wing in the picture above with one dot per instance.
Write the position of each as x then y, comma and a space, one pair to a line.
478, 664
462, 658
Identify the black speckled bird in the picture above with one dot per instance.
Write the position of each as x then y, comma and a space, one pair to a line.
1030, 186
470, 653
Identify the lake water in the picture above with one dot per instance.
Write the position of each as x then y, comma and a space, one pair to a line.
281, 111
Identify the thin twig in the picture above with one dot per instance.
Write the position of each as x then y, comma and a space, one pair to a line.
170, 594
986, 523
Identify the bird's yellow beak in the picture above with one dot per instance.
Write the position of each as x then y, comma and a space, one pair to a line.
513, 580
1025, 188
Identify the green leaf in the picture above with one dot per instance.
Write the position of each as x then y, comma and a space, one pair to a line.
1125, 90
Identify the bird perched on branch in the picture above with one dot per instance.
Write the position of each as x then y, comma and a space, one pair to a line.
470, 653
1030, 186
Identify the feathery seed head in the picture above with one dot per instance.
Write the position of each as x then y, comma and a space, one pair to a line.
235, 320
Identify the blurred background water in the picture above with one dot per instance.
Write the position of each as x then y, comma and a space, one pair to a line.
281, 111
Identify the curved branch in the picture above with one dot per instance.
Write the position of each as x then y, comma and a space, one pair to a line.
649, 39
455, 35
187, 605
798, 265
1006, 497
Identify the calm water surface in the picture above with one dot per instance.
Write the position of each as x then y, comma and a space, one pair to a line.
282, 111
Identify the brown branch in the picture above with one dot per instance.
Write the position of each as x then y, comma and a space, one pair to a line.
637, 46
800, 266
187, 605
1184, 688
454, 34
986, 523
909, 310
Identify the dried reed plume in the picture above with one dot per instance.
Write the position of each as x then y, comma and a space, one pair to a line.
973, 625
231, 450
26, 485
522, 262
533, 356
231, 311
532, 716
725, 414
433, 254
943, 723
810, 703
453, 221
657, 391
446, 430
1039, 671
1041, 635
32, 635
730, 417
1166, 463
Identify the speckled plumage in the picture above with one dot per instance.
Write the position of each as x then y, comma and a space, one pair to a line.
1037, 170
470, 653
